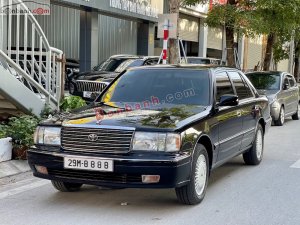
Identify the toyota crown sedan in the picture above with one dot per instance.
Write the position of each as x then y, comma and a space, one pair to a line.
155, 127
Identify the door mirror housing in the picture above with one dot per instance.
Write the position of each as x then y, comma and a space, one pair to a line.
286, 86
229, 100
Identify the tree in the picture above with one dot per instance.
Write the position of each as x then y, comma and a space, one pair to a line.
230, 16
277, 19
174, 6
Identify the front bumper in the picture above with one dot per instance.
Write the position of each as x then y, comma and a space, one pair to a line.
173, 170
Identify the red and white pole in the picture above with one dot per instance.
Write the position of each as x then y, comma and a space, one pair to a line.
166, 38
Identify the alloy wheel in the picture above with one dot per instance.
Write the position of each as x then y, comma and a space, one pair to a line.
200, 174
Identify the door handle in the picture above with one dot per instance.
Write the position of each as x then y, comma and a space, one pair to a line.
238, 113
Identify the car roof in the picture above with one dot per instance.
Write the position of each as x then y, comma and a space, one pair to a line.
185, 66
124, 56
195, 57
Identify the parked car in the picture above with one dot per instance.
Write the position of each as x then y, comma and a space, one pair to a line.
202, 60
89, 85
282, 91
104, 67
155, 127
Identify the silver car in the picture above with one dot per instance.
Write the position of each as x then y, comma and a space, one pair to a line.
282, 91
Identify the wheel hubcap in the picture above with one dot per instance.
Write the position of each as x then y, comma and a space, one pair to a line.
282, 116
259, 144
200, 174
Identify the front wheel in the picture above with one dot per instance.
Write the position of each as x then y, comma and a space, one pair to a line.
280, 120
296, 116
194, 192
65, 187
255, 153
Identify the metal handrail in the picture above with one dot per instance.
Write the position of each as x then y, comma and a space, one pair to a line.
20, 71
45, 69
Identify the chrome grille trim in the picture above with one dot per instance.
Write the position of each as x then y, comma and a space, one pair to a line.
91, 86
75, 139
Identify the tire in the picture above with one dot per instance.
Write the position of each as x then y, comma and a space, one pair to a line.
280, 120
255, 154
65, 187
296, 116
190, 194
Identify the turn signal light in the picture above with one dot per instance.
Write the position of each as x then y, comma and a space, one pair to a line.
150, 179
41, 169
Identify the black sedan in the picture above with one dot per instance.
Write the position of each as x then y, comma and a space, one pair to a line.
88, 85
155, 127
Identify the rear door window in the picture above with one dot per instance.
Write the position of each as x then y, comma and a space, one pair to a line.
223, 85
242, 90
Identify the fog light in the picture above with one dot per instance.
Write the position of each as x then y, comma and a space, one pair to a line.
150, 179
41, 169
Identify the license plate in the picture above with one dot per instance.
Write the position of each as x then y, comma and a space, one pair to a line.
87, 94
94, 164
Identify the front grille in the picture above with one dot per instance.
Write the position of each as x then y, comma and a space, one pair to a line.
91, 86
96, 176
76, 139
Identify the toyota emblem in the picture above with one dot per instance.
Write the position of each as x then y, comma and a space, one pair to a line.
93, 137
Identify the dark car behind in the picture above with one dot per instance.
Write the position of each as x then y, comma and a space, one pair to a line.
88, 85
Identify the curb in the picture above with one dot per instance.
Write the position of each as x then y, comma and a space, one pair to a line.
13, 167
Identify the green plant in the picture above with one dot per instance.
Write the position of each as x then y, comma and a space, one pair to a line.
3, 129
21, 130
47, 110
72, 102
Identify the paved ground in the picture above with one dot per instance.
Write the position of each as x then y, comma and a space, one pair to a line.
237, 195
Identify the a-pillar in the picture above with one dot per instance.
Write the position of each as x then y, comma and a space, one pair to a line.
89, 33
203, 32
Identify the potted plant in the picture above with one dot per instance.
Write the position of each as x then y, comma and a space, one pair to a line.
21, 130
5, 144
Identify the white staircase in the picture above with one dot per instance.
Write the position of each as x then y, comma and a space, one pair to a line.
30, 69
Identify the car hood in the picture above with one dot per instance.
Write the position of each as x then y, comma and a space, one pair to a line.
94, 75
170, 118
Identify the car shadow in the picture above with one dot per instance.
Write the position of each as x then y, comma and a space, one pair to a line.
93, 196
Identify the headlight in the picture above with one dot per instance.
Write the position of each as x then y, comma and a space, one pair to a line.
47, 135
144, 141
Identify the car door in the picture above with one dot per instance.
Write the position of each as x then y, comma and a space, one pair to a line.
287, 95
294, 95
247, 107
229, 120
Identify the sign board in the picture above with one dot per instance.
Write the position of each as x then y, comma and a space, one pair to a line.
172, 24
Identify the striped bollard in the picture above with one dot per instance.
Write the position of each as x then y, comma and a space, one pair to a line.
165, 44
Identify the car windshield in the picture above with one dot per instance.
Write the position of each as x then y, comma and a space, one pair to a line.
98, 67
112, 64
198, 61
160, 87
265, 81
129, 63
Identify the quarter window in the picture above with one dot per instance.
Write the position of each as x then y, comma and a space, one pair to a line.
242, 90
223, 85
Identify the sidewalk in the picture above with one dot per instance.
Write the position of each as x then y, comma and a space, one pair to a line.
13, 167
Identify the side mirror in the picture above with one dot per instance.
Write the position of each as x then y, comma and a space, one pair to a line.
286, 86
229, 100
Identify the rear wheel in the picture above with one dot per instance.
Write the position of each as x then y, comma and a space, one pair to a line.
296, 116
280, 120
255, 153
65, 187
194, 192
